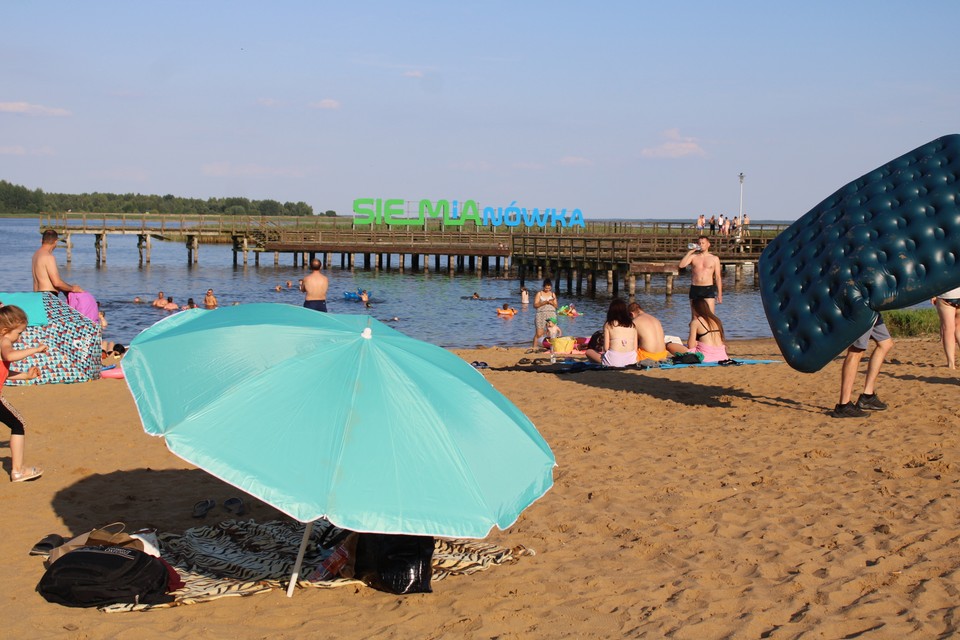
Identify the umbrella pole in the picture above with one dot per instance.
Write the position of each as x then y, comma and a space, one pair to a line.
296, 565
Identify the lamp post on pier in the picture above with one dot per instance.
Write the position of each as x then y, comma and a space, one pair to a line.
740, 224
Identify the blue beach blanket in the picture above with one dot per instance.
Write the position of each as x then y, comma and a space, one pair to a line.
670, 365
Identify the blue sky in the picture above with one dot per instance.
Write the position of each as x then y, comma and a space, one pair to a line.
622, 109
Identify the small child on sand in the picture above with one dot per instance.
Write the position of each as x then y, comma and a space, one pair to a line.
13, 322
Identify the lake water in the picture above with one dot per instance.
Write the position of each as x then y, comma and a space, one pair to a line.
434, 307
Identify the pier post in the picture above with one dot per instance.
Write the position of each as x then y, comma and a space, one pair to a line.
276, 258
592, 283
756, 275
246, 247
579, 281
98, 247
646, 281
69, 242
570, 273
256, 258
366, 262
610, 281
738, 272
632, 285
669, 284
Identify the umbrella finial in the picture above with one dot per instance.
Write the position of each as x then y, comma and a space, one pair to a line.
367, 333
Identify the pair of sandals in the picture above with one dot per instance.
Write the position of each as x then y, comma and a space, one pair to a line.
728, 362
233, 505
476, 364
26, 474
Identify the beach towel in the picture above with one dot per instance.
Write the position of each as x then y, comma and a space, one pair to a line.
73, 342
31, 303
240, 558
86, 304
737, 361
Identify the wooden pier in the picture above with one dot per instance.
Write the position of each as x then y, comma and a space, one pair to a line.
617, 252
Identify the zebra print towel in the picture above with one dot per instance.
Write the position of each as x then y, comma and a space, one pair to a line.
241, 558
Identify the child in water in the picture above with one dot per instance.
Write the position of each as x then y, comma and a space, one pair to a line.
13, 322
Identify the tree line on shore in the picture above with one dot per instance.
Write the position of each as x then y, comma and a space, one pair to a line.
18, 199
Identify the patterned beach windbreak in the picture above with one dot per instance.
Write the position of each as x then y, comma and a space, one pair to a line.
73, 346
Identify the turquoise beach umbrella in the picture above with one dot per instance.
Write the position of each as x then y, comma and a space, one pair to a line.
338, 417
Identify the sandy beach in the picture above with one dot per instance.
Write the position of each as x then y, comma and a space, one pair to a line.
689, 503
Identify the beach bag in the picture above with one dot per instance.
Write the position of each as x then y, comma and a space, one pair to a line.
397, 564
110, 535
690, 357
98, 576
563, 344
596, 341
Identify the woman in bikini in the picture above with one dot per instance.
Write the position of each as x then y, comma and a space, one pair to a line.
619, 338
706, 332
948, 308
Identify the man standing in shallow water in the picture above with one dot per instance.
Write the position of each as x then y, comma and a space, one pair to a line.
706, 281
314, 286
46, 276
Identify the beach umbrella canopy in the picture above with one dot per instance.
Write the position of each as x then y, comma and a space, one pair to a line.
338, 417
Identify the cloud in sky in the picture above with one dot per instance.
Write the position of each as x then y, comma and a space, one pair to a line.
326, 103
675, 146
413, 74
230, 170
32, 109
18, 150
527, 166
268, 102
575, 161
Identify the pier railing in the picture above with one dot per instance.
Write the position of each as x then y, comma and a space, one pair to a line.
604, 242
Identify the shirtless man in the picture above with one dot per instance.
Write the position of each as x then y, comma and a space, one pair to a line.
210, 300
314, 286
650, 341
46, 276
161, 301
706, 281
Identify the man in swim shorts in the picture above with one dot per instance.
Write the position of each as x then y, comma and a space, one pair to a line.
650, 341
868, 400
46, 276
706, 280
314, 287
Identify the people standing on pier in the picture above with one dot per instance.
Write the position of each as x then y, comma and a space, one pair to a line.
701, 223
713, 224
314, 287
706, 281
210, 300
46, 276
545, 302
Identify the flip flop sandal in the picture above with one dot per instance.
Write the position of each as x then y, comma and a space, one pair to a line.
524, 361
235, 506
48, 544
203, 507
30, 473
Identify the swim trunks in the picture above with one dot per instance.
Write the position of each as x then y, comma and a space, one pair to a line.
877, 332
656, 357
702, 291
316, 305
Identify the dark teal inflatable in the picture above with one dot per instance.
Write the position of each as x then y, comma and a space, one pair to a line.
889, 239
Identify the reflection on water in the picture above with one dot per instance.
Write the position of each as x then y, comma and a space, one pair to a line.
429, 306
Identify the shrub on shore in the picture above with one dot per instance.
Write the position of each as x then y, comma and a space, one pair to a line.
906, 323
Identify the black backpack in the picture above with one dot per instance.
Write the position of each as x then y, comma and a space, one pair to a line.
97, 576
